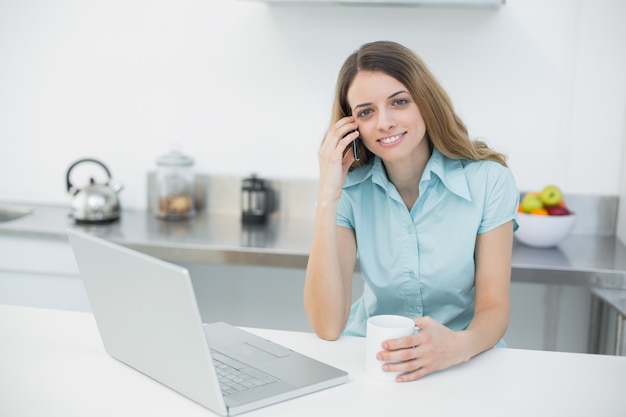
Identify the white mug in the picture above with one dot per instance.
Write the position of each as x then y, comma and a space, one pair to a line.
379, 329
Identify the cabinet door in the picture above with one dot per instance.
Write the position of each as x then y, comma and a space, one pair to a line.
549, 317
43, 291
40, 273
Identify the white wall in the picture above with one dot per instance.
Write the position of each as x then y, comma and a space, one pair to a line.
621, 214
244, 86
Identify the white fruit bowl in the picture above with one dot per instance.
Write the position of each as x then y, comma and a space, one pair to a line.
543, 231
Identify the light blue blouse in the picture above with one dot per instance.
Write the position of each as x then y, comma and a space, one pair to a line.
422, 262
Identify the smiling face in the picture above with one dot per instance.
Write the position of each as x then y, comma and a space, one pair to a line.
389, 120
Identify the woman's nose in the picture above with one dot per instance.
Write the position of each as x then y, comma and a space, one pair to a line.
385, 120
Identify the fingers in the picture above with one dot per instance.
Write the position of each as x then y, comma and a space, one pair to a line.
340, 135
413, 355
413, 363
414, 375
344, 126
435, 347
334, 161
424, 322
403, 349
393, 345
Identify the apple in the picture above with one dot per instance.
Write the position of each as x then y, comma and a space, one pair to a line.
558, 211
531, 201
551, 196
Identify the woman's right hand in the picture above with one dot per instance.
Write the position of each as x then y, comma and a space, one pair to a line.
334, 161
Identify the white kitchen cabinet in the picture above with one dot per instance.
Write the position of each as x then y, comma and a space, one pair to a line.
254, 296
549, 317
543, 317
40, 273
43, 273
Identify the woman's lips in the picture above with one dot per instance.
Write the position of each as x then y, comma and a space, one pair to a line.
390, 140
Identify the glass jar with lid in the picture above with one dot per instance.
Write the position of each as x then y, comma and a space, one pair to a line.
175, 186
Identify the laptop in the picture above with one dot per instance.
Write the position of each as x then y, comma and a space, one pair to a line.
148, 318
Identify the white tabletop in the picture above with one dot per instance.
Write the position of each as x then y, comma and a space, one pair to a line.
52, 363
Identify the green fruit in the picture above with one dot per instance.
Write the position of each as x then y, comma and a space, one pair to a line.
531, 201
551, 195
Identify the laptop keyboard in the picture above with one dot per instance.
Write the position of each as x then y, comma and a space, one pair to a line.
235, 376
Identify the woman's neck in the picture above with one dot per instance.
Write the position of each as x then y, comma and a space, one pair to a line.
405, 174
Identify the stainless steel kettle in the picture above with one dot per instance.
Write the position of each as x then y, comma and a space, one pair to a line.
95, 202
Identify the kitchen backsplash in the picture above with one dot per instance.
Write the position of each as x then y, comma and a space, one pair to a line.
596, 214
222, 194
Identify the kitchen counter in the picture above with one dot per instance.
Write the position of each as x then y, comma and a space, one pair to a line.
590, 260
57, 358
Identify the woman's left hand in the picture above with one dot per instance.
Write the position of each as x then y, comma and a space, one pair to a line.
434, 347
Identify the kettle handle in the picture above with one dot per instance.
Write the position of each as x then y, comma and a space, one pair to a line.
80, 161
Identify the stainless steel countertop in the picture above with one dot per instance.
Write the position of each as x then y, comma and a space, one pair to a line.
285, 242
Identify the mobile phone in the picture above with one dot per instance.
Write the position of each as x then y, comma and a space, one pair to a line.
355, 149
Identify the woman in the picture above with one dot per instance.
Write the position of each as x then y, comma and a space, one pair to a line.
430, 213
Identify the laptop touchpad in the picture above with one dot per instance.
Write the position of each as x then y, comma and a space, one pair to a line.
249, 353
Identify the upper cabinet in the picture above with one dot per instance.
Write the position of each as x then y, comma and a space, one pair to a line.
431, 3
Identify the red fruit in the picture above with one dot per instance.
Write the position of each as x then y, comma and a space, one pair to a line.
558, 211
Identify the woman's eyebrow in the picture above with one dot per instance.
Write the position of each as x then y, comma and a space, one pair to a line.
369, 104
398, 92
362, 105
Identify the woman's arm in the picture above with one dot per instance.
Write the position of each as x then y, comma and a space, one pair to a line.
493, 282
437, 347
328, 284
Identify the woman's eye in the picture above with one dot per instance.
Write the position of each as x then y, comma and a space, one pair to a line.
364, 113
400, 102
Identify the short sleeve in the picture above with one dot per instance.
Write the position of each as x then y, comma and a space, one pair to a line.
501, 201
345, 214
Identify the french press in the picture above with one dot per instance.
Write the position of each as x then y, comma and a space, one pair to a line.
255, 200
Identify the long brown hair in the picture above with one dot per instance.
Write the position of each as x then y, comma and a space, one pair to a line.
444, 129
